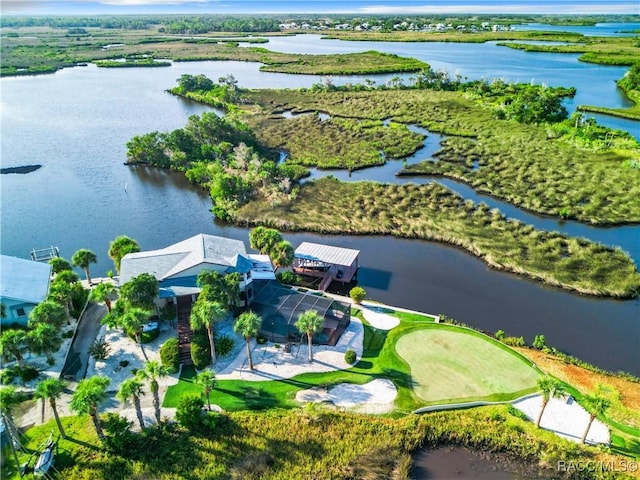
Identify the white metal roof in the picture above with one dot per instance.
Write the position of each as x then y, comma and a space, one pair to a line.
200, 249
24, 280
326, 253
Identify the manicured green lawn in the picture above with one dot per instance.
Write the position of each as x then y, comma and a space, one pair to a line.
465, 366
452, 364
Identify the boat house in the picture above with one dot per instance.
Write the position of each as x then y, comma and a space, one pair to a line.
326, 262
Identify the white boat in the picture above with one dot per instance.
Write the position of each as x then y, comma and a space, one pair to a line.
45, 461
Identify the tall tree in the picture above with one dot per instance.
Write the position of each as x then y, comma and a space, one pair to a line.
89, 395
48, 311
550, 388
132, 388
207, 380
104, 292
13, 344
83, 258
44, 338
62, 292
59, 264
51, 389
140, 291
310, 323
133, 321
282, 254
597, 405
153, 371
119, 247
264, 239
203, 315
248, 325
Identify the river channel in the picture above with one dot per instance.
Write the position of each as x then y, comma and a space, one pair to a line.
76, 123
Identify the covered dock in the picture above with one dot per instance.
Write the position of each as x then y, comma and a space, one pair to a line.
326, 262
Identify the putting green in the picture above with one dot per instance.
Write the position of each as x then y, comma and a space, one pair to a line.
450, 364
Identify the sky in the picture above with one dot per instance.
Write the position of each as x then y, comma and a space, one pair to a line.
377, 7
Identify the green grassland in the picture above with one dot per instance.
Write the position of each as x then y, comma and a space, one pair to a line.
432, 212
35, 50
532, 166
451, 365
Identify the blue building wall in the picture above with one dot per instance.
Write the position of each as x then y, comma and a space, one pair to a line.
16, 311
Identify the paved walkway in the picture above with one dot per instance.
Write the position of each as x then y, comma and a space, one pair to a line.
565, 418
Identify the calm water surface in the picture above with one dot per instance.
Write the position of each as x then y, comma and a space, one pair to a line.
76, 124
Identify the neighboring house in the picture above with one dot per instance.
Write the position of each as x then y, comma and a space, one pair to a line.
23, 284
177, 266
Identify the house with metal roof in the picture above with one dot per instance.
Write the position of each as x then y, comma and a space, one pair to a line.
326, 262
23, 285
177, 266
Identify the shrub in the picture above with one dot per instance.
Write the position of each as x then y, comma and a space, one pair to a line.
189, 412
514, 341
168, 313
146, 337
27, 373
357, 294
200, 353
350, 357
261, 340
288, 278
100, 349
79, 296
224, 345
118, 433
170, 355
8, 375
500, 335
539, 342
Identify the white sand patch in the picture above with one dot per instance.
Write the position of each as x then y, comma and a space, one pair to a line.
379, 320
565, 418
377, 396
148, 416
271, 363
124, 349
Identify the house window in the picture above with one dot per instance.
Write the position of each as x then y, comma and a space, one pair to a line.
248, 274
20, 312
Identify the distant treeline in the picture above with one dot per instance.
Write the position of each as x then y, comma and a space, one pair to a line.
269, 23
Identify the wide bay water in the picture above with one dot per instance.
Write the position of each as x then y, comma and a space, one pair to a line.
76, 124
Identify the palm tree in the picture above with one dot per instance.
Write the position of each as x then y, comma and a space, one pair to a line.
13, 344
48, 311
153, 370
203, 314
59, 264
44, 338
310, 322
248, 325
91, 392
120, 247
550, 388
82, 258
51, 389
104, 292
597, 405
264, 239
282, 254
132, 388
62, 292
207, 379
132, 321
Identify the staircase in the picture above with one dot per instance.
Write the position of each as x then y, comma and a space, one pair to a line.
184, 330
327, 279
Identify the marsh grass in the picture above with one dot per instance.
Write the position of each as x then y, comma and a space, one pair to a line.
280, 445
528, 165
432, 212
